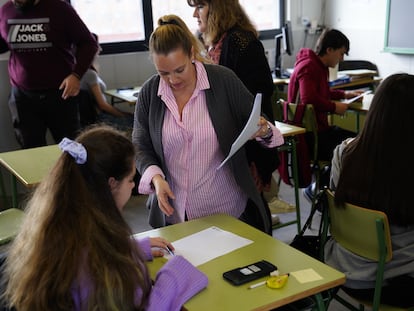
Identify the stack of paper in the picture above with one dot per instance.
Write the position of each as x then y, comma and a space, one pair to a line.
357, 74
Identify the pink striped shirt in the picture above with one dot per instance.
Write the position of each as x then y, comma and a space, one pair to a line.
192, 154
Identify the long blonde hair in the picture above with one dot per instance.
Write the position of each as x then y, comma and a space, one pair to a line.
172, 33
74, 232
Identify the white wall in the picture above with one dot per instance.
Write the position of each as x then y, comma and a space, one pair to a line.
363, 21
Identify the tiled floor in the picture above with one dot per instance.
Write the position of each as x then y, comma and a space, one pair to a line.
136, 214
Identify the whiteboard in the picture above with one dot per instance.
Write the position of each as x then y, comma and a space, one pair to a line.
399, 37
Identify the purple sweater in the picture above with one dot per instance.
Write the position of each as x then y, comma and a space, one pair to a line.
176, 282
46, 43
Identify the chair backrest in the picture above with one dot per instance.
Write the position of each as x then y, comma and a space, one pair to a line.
10, 221
309, 123
362, 231
357, 64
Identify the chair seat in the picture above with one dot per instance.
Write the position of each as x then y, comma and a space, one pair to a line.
10, 221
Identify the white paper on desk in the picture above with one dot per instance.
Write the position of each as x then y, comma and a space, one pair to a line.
130, 92
351, 100
205, 245
248, 131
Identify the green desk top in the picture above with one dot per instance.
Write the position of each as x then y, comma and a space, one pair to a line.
221, 295
30, 165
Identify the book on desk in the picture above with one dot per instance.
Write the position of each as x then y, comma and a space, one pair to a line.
348, 76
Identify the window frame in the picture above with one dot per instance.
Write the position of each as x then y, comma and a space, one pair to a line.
142, 45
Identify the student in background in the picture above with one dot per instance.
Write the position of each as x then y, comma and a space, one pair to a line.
368, 171
45, 67
186, 119
309, 81
74, 250
105, 112
232, 41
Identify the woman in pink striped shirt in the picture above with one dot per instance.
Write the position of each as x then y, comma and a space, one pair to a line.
186, 118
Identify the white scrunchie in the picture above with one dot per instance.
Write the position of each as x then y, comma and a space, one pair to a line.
75, 149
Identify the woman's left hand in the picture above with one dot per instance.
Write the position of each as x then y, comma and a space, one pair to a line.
264, 130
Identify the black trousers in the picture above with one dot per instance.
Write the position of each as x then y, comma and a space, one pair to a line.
34, 112
398, 292
251, 216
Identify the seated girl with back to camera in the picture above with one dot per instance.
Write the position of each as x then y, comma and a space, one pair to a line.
75, 251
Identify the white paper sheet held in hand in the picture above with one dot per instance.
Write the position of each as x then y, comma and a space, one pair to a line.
351, 100
248, 131
205, 245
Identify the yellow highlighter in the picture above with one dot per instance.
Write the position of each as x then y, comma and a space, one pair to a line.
277, 281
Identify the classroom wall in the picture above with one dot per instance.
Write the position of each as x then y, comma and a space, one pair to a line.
363, 21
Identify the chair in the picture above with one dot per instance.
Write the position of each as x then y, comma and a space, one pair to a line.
310, 123
10, 221
3, 191
357, 64
87, 109
370, 238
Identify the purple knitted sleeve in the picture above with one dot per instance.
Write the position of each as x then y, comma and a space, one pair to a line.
176, 282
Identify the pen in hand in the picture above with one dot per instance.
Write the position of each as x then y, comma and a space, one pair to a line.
170, 251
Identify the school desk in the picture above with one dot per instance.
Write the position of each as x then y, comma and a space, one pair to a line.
123, 95
221, 295
374, 81
28, 166
360, 108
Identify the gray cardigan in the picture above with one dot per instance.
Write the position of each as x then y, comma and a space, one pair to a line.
229, 104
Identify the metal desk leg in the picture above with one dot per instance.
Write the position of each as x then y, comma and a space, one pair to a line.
14, 191
290, 146
292, 142
320, 304
3, 191
357, 122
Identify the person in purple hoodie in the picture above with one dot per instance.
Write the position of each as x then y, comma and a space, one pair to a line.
50, 50
310, 80
75, 251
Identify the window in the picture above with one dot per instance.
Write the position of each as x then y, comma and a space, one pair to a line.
125, 25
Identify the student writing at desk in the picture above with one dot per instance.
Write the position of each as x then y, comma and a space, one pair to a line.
375, 171
309, 81
74, 250
186, 119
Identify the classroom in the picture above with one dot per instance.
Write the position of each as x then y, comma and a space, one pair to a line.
365, 23
362, 21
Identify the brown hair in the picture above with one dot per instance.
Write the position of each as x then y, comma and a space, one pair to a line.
223, 15
331, 38
374, 174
